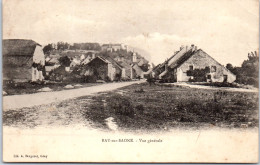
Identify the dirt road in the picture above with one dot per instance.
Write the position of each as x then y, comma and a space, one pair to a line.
29, 100
216, 88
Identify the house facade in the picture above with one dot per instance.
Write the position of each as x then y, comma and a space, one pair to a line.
190, 64
137, 71
103, 69
23, 60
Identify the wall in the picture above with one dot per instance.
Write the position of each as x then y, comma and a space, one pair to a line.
98, 68
17, 68
38, 56
138, 72
200, 60
123, 75
111, 71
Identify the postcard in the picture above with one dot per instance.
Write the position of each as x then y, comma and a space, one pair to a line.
130, 81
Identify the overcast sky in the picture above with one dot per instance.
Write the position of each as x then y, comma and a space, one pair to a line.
225, 29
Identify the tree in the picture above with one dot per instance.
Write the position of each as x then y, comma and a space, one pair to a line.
64, 61
63, 45
229, 66
248, 72
145, 67
47, 49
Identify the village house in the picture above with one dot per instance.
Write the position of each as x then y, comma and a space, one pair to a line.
51, 64
23, 60
88, 57
138, 64
187, 63
104, 69
137, 71
128, 70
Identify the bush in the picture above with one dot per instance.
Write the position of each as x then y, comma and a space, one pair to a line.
89, 79
120, 105
118, 77
108, 79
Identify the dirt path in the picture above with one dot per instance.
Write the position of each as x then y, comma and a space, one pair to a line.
216, 88
29, 100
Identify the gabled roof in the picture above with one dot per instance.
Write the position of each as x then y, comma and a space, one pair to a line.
125, 64
107, 60
102, 59
218, 62
19, 47
183, 58
189, 54
113, 62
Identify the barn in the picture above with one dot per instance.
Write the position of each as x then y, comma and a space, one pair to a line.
23, 60
190, 64
104, 69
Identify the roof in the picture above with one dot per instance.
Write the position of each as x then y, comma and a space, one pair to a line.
189, 54
125, 64
113, 62
183, 58
218, 62
19, 47
100, 58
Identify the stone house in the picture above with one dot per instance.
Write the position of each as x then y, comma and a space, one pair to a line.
183, 65
137, 71
103, 68
23, 60
127, 69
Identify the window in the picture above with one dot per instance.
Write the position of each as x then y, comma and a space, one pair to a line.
209, 76
191, 67
213, 68
207, 69
189, 73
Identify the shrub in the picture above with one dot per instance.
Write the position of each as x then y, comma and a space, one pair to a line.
107, 79
120, 105
118, 77
89, 79
139, 109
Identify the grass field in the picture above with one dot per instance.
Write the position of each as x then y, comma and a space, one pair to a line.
144, 107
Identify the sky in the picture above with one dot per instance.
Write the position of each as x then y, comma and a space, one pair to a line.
226, 29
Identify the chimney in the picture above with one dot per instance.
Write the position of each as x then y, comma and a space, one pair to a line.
192, 47
195, 49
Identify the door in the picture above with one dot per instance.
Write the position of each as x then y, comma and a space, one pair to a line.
225, 78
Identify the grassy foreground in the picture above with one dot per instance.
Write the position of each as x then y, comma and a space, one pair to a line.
144, 107
162, 107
